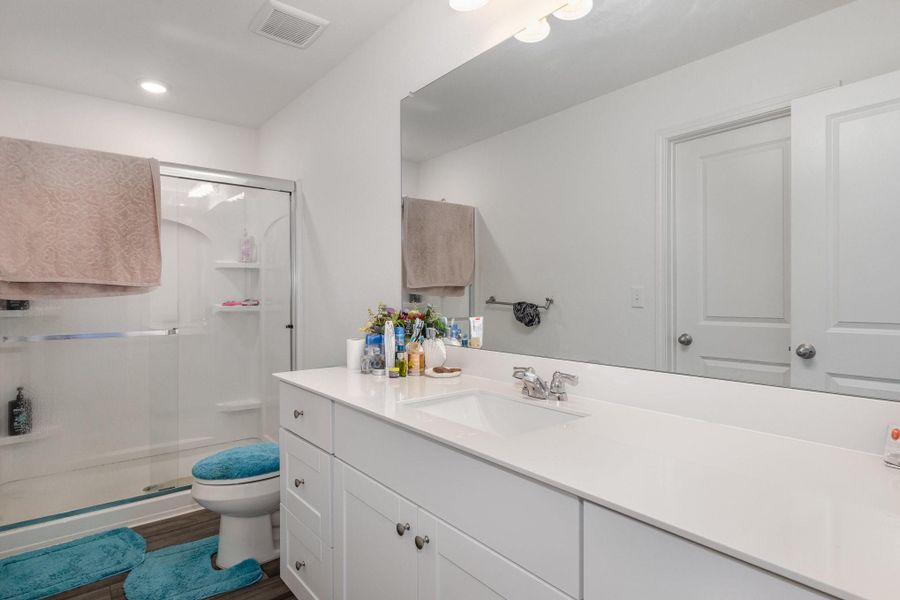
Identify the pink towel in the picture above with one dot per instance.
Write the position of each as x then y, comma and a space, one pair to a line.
76, 223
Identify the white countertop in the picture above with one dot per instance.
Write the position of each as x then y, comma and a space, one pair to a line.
824, 516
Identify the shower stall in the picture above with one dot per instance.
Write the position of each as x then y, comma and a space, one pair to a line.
129, 392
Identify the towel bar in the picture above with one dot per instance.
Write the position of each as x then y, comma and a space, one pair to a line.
493, 300
88, 336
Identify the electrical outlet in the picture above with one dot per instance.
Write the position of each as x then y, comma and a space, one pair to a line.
637, 296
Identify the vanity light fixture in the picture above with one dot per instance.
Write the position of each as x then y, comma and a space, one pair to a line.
153, 87
467, 5
535, 32
574, 9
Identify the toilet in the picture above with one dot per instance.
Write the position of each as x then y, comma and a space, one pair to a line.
241, 484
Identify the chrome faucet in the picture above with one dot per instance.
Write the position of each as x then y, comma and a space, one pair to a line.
537, 389
532, 386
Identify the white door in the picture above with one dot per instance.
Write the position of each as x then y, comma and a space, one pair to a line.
846, 231
374, 559
453, 566
732, 202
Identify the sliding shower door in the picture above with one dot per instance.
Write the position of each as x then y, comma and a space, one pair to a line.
234, 304
130, 391
101, 374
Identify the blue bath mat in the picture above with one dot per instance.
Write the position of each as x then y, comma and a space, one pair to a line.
48, 571
185, 572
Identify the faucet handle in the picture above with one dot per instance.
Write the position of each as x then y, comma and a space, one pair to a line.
558, 384
560, 378
520, 372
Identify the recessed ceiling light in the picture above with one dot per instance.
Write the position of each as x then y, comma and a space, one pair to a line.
574, 9
537, 31
153, 87
467, 5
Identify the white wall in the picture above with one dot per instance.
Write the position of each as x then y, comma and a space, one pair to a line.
567, 202
47, 115
342, 138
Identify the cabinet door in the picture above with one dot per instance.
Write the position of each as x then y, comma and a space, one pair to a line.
453, 566
374, 559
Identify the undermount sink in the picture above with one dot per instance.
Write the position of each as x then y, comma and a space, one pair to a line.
493, 413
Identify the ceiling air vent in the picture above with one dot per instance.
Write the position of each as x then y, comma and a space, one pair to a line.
288, 25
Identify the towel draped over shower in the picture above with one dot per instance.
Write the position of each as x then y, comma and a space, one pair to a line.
77, 223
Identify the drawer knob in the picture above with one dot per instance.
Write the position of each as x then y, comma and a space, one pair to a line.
299, 482
402, 528
298, 414
299, 564
421, 541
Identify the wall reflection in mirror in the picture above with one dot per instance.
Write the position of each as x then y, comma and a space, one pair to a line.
701, 187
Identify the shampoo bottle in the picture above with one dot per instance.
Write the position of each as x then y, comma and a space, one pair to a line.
20, 414
247, 250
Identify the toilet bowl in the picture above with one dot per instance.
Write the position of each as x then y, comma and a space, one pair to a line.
242, 485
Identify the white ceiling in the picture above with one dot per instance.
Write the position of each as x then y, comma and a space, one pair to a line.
621, 42
203, 49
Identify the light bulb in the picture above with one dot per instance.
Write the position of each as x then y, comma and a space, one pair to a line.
574, 9
153, 87
535, 32
467, 5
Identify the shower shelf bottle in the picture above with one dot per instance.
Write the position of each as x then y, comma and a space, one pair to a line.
20, 414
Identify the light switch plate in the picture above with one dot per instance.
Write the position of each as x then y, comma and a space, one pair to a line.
892, 447
637, 296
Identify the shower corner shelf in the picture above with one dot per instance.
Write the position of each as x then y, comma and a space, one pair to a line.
239, 405
235, 309
233, 264
40, 434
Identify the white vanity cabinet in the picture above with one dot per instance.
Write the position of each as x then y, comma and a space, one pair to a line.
387, 548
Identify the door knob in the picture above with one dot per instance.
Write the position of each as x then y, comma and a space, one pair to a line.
299, 482
299, 564
298, 414
685, 339
421, 541
402, 528
806, 351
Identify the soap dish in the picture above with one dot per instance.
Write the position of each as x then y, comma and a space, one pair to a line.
431, 373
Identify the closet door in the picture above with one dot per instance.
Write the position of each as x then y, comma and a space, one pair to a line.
374, 552
453, 566
846, 247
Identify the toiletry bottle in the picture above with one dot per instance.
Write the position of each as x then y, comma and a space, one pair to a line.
415, 358
247, 248
402, 364
20, 414
390, 346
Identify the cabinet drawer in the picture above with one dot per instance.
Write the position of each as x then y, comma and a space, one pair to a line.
306, 414
306, 483
306, 561
531, 524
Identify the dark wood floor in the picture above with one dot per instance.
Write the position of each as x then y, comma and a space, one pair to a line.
180, 530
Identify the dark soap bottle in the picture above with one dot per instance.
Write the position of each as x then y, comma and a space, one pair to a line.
20, 414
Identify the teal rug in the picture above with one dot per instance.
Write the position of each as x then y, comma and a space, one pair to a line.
48, 571
185, 572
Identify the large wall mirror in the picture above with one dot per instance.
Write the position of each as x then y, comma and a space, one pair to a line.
703, 187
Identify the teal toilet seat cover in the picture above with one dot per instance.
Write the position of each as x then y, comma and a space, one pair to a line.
239, 463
